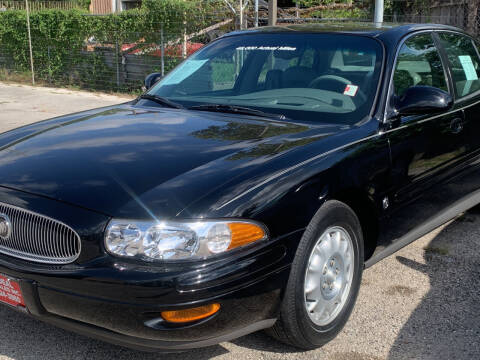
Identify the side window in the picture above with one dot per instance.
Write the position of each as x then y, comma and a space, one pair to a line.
418, 63
464, 62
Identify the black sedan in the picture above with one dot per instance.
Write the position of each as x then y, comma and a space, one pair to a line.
246, 190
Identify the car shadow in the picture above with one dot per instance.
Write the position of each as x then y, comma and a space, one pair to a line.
260, 341
446, 324
22, 337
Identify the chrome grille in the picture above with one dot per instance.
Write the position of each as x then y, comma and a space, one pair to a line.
38, 238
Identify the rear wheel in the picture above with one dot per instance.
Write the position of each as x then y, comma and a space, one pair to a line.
324, 279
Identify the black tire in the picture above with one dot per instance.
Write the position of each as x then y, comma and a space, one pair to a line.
294, 326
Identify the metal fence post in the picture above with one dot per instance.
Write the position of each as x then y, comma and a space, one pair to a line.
241, 15
116, 63
184, 42
30, 42
49, 66
162, 52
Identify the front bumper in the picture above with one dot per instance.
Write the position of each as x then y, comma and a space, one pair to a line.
120, 302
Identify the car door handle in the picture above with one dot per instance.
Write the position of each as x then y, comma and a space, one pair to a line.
456, 125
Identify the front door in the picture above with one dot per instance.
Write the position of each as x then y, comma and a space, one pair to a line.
426, 150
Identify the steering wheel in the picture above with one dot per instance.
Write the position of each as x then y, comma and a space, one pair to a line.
334, 83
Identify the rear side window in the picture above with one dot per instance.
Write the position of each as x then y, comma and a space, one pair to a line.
418, 63
464, 62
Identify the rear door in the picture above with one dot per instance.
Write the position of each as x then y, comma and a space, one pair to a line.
463, 61
426, 150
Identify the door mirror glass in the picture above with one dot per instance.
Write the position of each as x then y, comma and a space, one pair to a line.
151, 80
418, 100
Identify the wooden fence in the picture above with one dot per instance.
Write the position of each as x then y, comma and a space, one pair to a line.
464, 14
461, 13
100, 7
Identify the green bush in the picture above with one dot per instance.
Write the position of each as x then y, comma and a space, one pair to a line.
60, 37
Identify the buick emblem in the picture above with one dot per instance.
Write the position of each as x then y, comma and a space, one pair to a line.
5, 226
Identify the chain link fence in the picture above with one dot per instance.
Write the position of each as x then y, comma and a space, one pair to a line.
311, 11
104, 52
114, 52
464, 14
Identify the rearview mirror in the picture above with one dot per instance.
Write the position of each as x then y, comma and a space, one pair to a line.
418, 100
152, 79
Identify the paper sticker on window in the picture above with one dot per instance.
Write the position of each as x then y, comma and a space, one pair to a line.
183, 71
468, 68
350, 90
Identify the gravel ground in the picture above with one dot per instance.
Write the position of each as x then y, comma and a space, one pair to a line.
21, 105
421, 303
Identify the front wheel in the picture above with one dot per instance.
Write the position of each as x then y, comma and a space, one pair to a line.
324, 279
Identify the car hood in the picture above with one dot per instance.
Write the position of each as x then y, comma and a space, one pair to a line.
135, 162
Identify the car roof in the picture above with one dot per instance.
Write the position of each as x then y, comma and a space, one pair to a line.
388, 30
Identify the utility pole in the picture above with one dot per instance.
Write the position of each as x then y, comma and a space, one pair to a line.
256, 13
378, 17
272, 12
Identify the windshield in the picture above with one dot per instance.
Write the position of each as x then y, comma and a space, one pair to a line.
309, 77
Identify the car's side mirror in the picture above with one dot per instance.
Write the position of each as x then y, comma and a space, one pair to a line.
152, 79
419, 100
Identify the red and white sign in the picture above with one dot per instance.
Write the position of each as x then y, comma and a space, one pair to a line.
350, 90
10, 292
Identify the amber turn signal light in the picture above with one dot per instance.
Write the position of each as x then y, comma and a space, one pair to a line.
244, 233
189, 315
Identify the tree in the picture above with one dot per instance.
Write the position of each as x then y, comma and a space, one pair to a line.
238, 11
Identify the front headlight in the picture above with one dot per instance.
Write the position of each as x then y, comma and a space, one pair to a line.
179, 240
